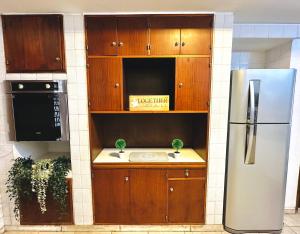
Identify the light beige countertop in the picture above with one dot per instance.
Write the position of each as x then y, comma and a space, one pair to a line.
110, 155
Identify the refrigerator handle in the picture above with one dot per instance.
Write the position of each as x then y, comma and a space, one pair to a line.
250, 144
254, 86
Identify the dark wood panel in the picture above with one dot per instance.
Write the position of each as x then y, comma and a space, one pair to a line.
101, 35
164, 35
132, 35
148, 196
196, 33
34, 43
105, 83
187, 173
30, 213
111, 196
186, 201
192, 91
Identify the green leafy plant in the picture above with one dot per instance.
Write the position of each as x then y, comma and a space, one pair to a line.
27, 177
120, 144
19, 182
177, 144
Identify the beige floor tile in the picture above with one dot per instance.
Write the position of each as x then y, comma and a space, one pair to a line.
294, 230
129, 232
287, 230
207, 228
91, 228
292, 220
156, 228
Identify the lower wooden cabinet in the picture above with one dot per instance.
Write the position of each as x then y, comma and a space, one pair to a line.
149, 196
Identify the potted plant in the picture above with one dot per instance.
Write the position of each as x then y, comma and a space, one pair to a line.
177, 144
120, 145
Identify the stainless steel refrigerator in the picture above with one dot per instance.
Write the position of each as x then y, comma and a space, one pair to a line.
258, 140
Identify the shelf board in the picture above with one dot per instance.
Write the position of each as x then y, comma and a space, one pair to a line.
149, 112
150, 56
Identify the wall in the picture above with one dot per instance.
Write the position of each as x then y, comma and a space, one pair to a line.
248, 59
279, 56
1, 218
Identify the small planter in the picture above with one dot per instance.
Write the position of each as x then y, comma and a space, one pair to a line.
176, 154
121, 155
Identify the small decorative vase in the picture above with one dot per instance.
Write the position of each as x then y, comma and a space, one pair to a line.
176, 154
121, 154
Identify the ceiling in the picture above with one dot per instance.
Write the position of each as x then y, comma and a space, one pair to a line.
246, 11
256, 44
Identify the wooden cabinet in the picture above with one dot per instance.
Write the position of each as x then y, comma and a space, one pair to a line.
33, 43
180, 35
111, 196
105, 84
192, 83
148, 195
116, 35
188, 190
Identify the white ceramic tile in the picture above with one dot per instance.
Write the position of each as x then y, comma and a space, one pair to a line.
210, 208
28, 76
74, 137
84, 138
290, 30
81, 74
69, 40
73, 106
210, 219
86, 181
68, 23
79, 40
246, 30
75, 152
276, 31
82, 106
78, 23
85, 168
71, 75
218, 219
71, 58
76, 166
84, 152
83, 122
260, 30
236, 30
80, 58
44, 76
73, 122
59, 76
218, 37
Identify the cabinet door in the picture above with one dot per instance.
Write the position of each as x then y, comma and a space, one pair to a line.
164, 35
34, 43
148, 196
186, 200
105, 84
192, 84
101, 33
196, 35
132, 36
111, 196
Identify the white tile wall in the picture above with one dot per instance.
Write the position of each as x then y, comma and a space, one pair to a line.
248, 59
222, 46
76, 76
279, 56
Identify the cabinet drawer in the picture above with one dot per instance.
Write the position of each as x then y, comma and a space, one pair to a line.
186, 173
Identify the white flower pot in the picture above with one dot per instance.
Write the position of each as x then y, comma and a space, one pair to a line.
176, 154
121, 154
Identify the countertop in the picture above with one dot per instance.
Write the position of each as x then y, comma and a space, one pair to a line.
110, 155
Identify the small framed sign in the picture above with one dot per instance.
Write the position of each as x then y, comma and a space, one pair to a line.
149, 102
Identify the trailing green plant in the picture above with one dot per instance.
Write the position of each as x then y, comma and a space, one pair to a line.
57, 182
41, 177
19, 182
120, 144
177, 144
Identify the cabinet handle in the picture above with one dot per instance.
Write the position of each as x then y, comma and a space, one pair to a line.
176, 43
126, 178
180, 85
57, 58
117, 85
121, 43
183, 44
186, 173
171, 189
114, 43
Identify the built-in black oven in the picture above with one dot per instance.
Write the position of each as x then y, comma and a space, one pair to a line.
39, 110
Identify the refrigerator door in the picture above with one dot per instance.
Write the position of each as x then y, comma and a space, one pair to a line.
261, 95
255, 185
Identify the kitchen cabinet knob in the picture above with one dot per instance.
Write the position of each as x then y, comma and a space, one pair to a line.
171, 189
117, 85
126, 178
114, 43
20, 86
180, 85
176, 43
47, 86
121, 43
57, 58
186, 173
183, 44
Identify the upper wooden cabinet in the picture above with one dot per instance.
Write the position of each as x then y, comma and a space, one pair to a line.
116, 35
192, 83
33, 43
105, 84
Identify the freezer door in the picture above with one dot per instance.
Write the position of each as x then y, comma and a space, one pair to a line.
268, 93
255, 191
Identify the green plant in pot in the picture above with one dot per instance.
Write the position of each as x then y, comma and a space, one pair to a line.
177, 144
120, 144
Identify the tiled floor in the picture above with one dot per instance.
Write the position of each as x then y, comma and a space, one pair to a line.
291, 226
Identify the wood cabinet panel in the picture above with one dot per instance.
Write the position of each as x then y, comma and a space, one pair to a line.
164, 35
34, 43
192, 85
196, 35
186, 200
148, 196
111, 196
187, 173
105, 83
101, 34
132, 35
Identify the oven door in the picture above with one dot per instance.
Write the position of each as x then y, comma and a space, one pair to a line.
38, 116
